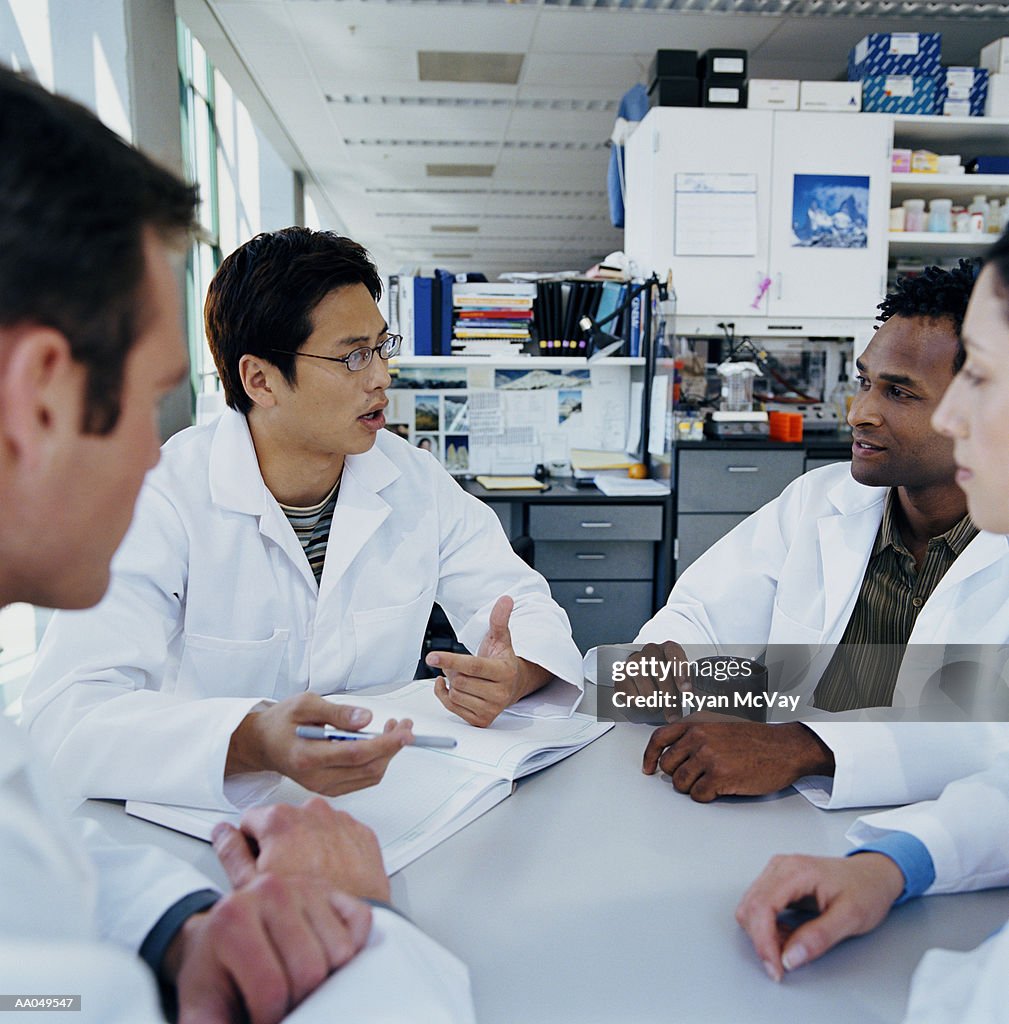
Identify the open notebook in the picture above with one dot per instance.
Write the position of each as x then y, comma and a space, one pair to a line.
426, 795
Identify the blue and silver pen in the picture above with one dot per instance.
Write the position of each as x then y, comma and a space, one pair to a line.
327, 732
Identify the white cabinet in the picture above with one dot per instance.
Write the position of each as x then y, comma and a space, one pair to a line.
773, 152
840, 156
696, 141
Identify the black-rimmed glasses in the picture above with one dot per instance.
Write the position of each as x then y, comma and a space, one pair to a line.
360, 357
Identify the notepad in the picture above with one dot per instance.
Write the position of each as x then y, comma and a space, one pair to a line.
589, 459
510, 483
426, 795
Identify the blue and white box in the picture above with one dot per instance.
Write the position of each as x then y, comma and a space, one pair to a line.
961, 92
899, 94
895, 53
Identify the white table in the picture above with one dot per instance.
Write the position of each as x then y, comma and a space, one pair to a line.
597, 894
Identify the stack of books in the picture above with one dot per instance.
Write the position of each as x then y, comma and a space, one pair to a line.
491, 319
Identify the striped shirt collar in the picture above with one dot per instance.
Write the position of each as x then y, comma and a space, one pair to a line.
956, 538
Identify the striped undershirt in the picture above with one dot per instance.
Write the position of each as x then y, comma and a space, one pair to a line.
863, 671
312, 528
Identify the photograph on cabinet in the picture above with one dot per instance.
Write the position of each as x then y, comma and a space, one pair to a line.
830, 211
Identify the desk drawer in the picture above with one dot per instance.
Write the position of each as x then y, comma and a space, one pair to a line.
604, 612
592, 559
734, 480
595, 522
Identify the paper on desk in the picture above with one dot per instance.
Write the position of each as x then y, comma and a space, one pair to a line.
510, 483
625, 487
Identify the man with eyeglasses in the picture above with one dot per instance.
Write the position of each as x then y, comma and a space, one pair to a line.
292, 548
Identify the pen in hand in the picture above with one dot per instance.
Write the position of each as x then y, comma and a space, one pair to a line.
319, 732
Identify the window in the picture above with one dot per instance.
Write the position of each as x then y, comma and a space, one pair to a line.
199, 150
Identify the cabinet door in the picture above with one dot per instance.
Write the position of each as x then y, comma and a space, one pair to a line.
823, 165
701, 141
695, 533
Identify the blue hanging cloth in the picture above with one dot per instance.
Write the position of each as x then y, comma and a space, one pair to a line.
633, 107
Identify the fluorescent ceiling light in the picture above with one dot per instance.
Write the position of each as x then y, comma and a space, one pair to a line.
489, 68
460, 170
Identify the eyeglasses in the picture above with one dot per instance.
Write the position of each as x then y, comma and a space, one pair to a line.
360, 357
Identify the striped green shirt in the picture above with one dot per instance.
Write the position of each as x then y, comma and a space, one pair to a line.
863, 671
312, 528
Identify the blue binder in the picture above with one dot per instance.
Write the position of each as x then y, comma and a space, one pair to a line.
441, 320
423, 308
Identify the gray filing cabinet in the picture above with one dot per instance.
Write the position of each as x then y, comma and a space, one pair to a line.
717, 488
599, 560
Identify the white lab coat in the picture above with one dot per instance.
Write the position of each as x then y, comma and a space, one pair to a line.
962, 988
791, 574
77, 906
966, 832
213, 608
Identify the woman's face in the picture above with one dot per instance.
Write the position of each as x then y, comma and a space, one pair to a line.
974, 412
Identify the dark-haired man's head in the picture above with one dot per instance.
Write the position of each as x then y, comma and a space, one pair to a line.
90, 339
262, 298
75, 201
902, 375
285, 314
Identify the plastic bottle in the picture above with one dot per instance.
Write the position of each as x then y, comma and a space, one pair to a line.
914, 215
994, 221
978, 211
940, 215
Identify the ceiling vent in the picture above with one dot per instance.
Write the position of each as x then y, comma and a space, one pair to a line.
488, 68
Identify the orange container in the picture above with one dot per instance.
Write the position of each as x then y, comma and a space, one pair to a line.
793, 426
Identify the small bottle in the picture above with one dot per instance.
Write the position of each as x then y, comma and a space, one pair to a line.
994, 217
978, 211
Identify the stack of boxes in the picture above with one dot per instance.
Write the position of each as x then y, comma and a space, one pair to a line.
901, 73
888, 72
722, 74
672, 79
678, 79
898, 71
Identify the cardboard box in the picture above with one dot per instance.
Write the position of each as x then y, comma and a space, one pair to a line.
722, 63
675, 92
995, 57
772, 94
895, 53
719, 93
961, 92
997, 102
673, 64
900, 161
899, 94
835, 96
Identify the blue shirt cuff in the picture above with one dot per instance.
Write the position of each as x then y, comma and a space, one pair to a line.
911, 855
